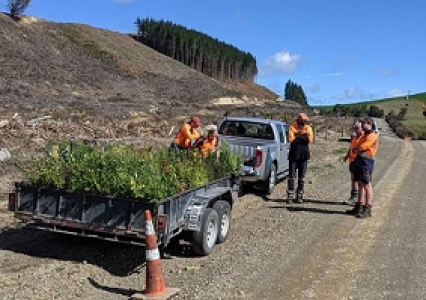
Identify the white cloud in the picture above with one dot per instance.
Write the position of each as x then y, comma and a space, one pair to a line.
386, 72
280, 63
395, 93
334, 74
349, 94
315, 88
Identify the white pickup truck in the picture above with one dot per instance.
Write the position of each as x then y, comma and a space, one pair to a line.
263, 145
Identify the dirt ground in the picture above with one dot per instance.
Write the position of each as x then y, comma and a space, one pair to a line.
41, 265
143, 98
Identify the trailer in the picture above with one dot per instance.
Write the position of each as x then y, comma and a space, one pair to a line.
203, 212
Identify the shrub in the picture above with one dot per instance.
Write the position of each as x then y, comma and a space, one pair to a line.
121, 170
17, 7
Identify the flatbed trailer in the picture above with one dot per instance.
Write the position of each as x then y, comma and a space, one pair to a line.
204, 212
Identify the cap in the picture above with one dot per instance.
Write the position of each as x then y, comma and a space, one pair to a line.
196, 120
210, 128
302, 116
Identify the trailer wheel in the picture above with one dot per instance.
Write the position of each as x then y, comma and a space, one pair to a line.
224, 211
205, 239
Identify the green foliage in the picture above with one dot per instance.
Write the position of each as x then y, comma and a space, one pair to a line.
121, 170
89, 47
397, 124
295, 92
17, 7
197, 50
409, 122
376, 112
402, 112
358, 111
340, 151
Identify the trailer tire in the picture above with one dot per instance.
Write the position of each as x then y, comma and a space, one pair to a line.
223, 210
204, 241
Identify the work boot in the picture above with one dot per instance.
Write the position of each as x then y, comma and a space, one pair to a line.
299, 197
352, 199
290, 195
365, 212
355, 210
290, 184
290, 189
301, 185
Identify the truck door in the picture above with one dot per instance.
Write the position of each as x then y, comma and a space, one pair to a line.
282, 149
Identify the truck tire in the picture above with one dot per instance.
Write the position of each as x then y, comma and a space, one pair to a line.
223, 210
241, 188
272, 179
203, 241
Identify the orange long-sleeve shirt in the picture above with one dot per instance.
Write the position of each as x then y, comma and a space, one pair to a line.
208, 146
368, 144
294, 130
354, 142
185, 135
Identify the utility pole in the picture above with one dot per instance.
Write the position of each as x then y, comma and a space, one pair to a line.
408, 95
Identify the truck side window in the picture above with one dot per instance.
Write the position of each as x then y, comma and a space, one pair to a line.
280, 133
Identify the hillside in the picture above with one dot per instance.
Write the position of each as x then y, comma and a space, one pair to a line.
56, 67
414, 119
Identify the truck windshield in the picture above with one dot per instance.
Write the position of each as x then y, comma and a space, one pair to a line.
247, 129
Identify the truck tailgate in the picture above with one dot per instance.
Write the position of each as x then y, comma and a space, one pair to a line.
246, 147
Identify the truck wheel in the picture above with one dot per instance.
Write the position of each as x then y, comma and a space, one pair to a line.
224, 211
272, 179
241, 188
205, 239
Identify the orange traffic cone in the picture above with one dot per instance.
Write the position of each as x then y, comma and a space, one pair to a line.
155, 283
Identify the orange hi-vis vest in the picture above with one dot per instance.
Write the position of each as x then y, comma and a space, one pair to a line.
352, 146
208, 146
294, 129
185, 135
368, 144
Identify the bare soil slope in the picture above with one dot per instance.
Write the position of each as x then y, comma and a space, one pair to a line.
96, 84
53, 66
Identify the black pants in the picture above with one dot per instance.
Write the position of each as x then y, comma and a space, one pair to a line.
175, 147
299, 167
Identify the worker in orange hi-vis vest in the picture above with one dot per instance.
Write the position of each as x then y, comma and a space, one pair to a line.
350, 157
365, 149
208, 143
187, 135
300, 135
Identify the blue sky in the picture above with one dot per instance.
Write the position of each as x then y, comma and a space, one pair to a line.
339, 51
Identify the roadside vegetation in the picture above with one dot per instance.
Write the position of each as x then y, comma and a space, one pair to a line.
405, 115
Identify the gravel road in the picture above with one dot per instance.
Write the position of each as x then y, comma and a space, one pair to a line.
275, 251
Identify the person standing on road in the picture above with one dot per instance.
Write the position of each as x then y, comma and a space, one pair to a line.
300, 135
363, 165
350, 157
187, 135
